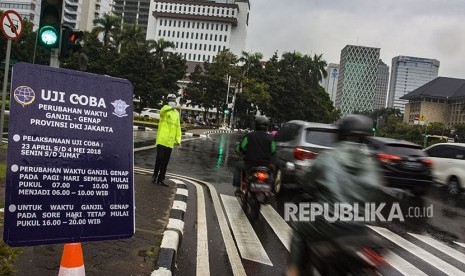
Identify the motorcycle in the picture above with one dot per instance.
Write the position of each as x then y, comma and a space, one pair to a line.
256, 189
347, 255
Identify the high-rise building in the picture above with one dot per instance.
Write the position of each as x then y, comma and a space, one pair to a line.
381, 86
91, 10
72, 13
200, 29
28, 9
357, 80
409, 73
133, 12
330, 82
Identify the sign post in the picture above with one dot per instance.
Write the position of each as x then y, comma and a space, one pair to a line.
70, 157
12, 29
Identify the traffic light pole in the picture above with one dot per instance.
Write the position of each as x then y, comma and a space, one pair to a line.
5, 84
54, 61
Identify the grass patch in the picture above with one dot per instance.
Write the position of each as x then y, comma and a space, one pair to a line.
2, 171
7, 255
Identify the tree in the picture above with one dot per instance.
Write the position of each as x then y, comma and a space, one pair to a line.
130, 36
109, 25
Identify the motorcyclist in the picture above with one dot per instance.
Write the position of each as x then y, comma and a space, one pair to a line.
257, 149
345, 174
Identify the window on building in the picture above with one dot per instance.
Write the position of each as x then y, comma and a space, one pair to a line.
197, 36
189, 10
216, 37
209, 47
203, 9
184, 24
203, 25
208, 57
189, 56
195, 56
221, 37
182, 35
177, 44
226, 27
164, 32
222, 11
214, 48
227, 12
198, 25
190, 46
208, 10
201, 36
213, 59
156, 6
208, 25
159, 32
221, 27
184, 8
169, 22
233, 12
188, 24
204, 47
195, 46
217, 27
211, 37
177, 34
182, 45
225, 38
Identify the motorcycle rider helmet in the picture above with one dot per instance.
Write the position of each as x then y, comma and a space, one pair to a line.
261, 123
354, 128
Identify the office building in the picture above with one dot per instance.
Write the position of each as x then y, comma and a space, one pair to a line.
330, 82
409, 73
357, 80
133, 12
381, 86
200, 29
28, 9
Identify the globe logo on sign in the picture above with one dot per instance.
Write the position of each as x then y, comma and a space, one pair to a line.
24, 95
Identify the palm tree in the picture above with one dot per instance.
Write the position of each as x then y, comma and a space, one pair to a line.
318, 69
109, 25
250, 62
131, 35
158, 49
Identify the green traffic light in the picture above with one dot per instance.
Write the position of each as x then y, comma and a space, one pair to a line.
48, 35
374, 129
226, 111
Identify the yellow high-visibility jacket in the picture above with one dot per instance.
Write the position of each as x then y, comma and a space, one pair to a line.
169, 127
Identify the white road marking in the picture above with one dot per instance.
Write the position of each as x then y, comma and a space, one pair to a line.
441, 247
279, 226
461, 244
233, 255
402, 265
203, 264
247, 240
417, 251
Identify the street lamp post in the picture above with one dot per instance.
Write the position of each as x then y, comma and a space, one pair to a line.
227, 101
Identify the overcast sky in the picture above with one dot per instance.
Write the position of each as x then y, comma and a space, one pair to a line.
420, 28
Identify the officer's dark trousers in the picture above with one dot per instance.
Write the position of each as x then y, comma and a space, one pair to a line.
161, 162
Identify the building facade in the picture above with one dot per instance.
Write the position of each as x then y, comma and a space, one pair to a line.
133, 12
28, 9
357, 80
200, 29
381, 86
409, 73
440, 100
330, 82
91, 10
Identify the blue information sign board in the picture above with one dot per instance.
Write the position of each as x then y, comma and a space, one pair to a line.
70, 157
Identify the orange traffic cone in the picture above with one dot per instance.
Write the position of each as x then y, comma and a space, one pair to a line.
72, 261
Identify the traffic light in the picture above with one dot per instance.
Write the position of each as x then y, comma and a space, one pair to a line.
70, 41
50, 23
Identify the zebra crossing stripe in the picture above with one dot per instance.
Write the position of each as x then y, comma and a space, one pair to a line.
441, 247
402, 265
461, 244
247, 240
417, 251
279, 226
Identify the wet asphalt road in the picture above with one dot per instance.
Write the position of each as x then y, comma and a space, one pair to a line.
212, 160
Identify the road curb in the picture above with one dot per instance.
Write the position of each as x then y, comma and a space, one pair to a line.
172, 236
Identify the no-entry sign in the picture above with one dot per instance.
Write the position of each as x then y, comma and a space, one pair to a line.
70, 157
11, 25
